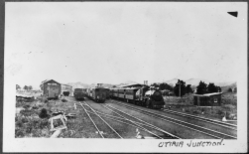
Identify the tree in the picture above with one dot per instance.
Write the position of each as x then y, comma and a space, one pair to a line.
155, 85
30, 88
235, 90
17, 87
180, 88
25, 87
230, 90
201, 88
189, 89
213, 88
219, 89
164, 86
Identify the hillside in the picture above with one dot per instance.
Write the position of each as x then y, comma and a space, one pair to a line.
79, 85
171, 82
194, 82
83, 85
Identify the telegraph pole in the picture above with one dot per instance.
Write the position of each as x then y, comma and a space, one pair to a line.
145, 82
180, 89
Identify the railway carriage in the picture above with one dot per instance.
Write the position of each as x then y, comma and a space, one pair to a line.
115, 93
108, 93
121, 93
98, 94
143, 96
111, 93
130, 94
79, 93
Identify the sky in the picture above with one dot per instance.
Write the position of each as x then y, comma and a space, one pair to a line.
115, 42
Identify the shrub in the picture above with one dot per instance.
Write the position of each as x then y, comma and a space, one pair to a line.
19, 124
24, 120
57, 123
28, 127
34, 107
19, 133
64, 100
195, 112
26, 113
43, 114
43, 124
26, 106
219, 112
178, 106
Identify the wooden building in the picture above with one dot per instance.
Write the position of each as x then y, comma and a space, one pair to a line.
209, 99
51, 88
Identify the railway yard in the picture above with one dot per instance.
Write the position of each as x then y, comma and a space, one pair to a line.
115, 119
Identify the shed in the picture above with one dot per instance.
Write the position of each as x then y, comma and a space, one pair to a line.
51, 88
209, 99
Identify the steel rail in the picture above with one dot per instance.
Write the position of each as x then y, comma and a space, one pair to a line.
135, 123
201, 118
188, 127
104, 121
142, 128
181, 121
92, 121
206, 119
147, 123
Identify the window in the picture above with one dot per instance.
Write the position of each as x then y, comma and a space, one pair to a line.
215, 100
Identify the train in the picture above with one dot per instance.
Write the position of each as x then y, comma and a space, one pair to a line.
79, 93
144, 96
98, 94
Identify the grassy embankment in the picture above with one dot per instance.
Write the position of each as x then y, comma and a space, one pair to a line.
29, 124
185, 104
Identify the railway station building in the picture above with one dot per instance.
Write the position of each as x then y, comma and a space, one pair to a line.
51, 88
209, 99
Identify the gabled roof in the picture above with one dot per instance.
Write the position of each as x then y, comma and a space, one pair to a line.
133, 85
208, 94
48, 80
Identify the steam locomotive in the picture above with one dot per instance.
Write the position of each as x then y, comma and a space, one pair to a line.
144, 96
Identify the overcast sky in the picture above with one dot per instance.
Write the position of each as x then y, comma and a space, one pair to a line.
114, 42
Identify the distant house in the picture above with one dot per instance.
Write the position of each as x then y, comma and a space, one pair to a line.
51, 88
209, 99
66, 88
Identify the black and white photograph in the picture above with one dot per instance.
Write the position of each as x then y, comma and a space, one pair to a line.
125, 77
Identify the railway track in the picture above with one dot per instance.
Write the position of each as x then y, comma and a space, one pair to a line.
101, 126
151, 131
224, 124
207, 131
